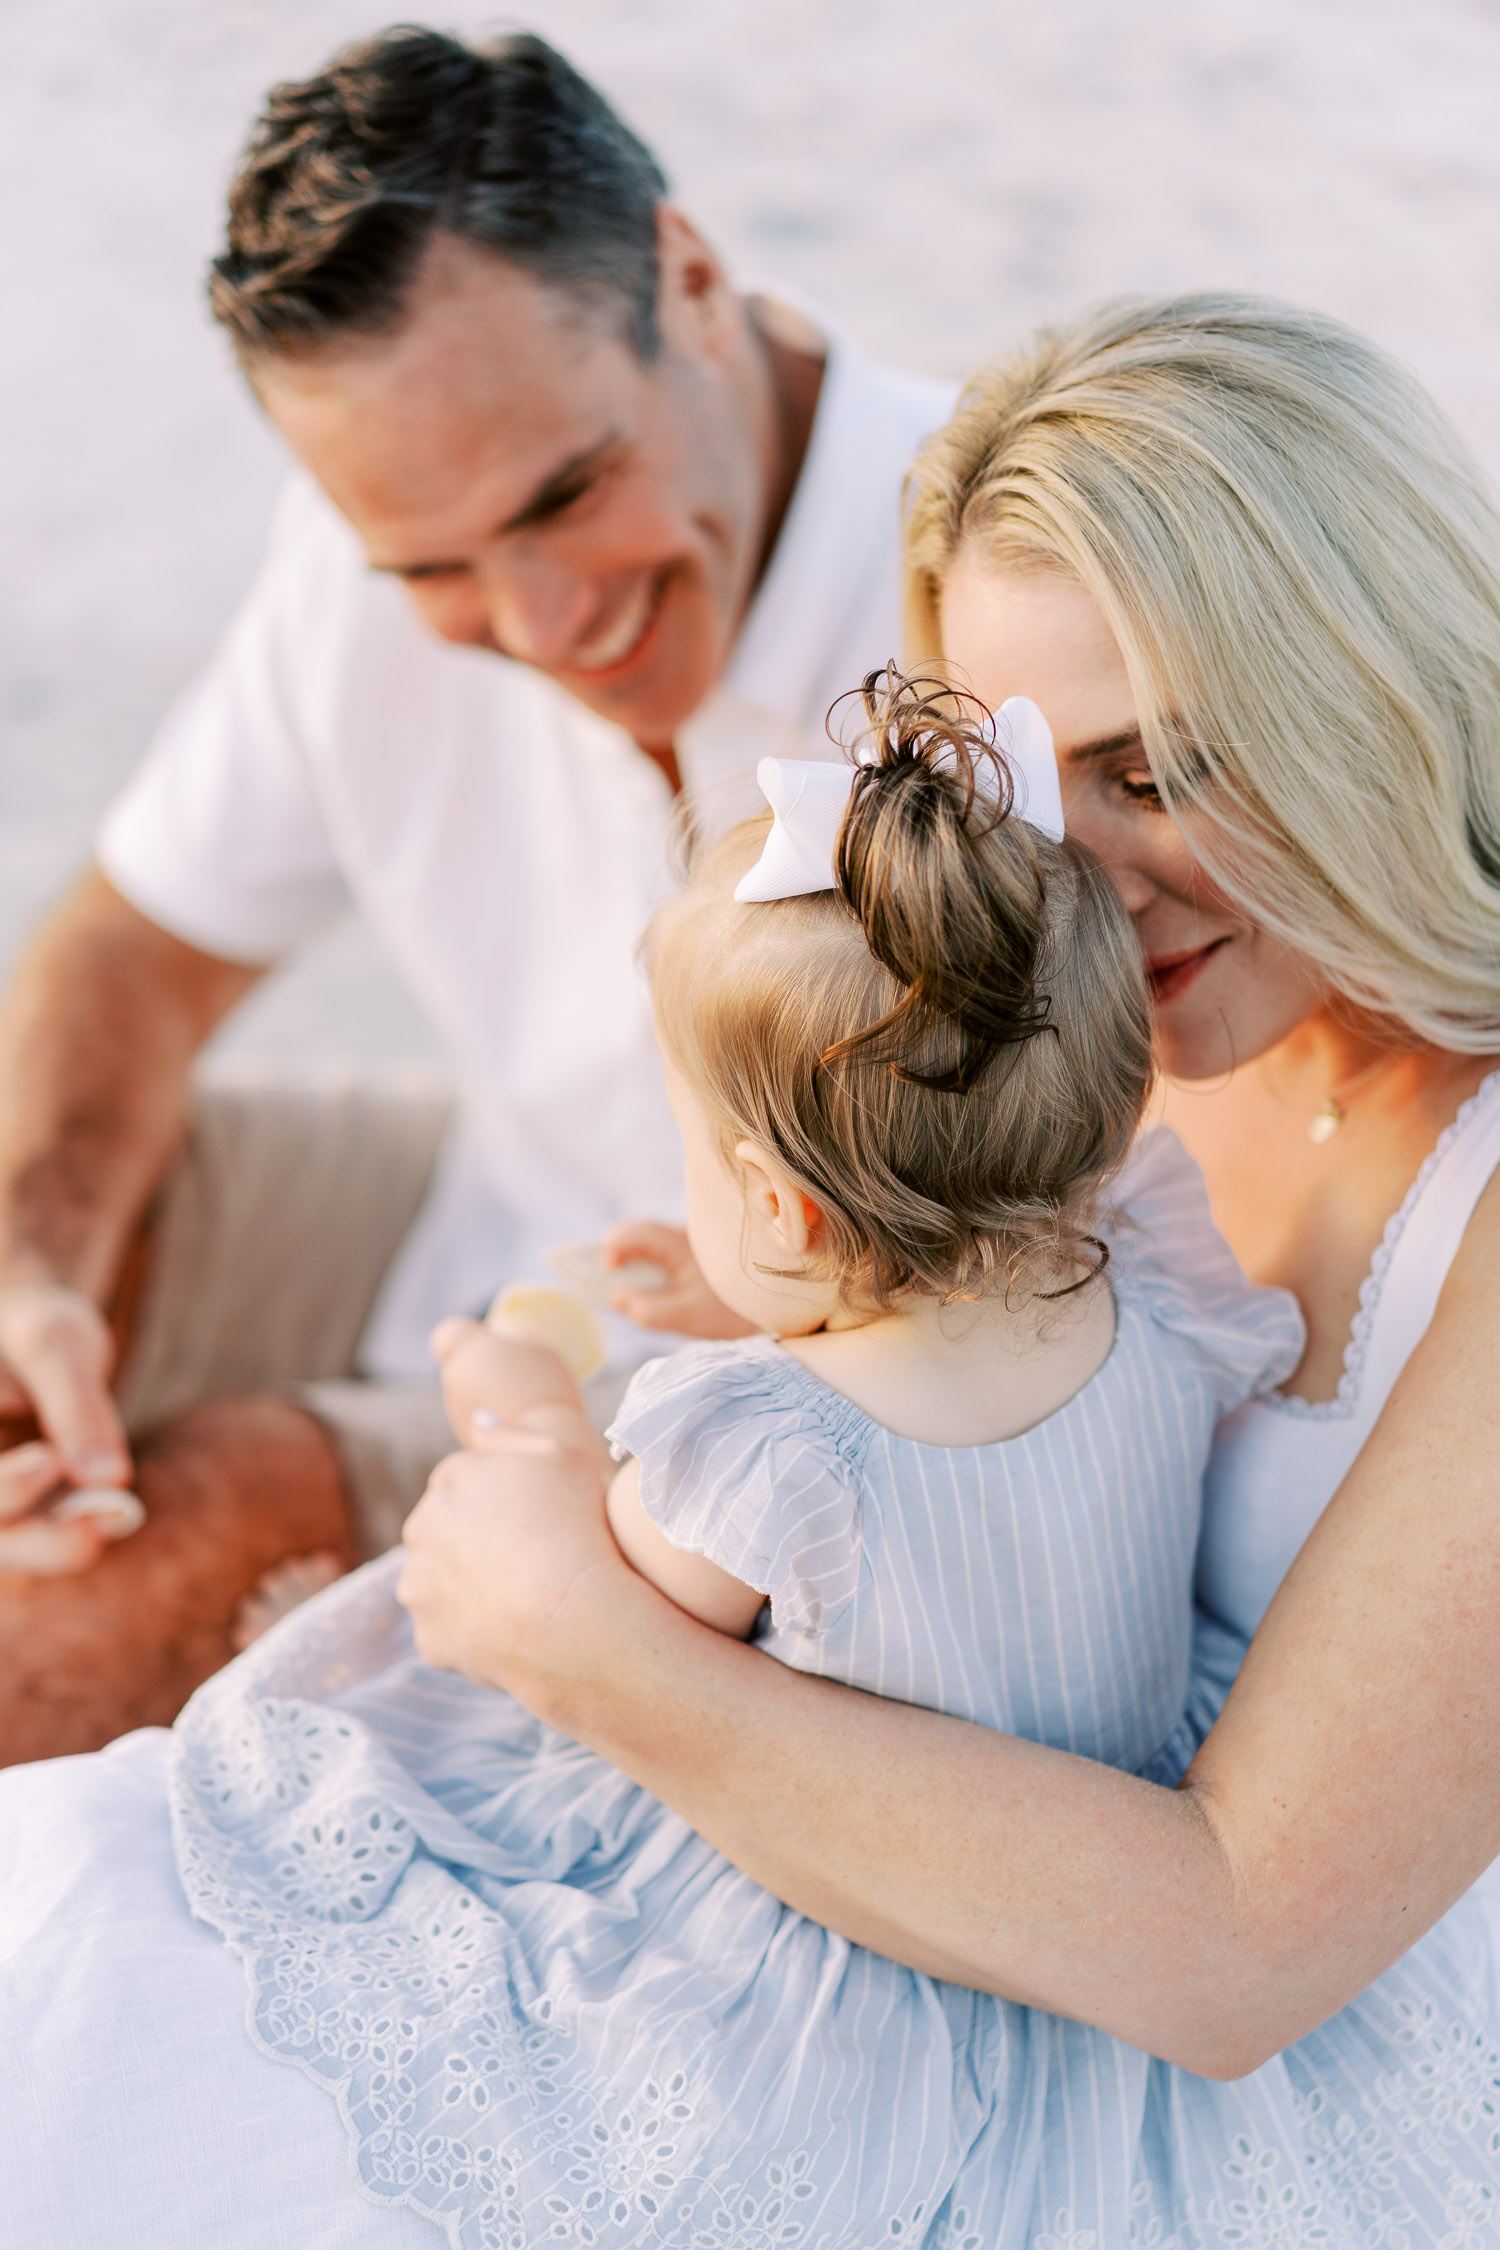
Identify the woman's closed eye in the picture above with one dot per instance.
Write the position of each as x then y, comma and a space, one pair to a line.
1140, 789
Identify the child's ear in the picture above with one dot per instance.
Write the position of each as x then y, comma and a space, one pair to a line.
775, 1201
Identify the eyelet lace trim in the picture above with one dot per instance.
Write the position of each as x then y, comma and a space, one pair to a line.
1345, 1399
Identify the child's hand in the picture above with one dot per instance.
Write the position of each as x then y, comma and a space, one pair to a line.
492, 1382
684, 1303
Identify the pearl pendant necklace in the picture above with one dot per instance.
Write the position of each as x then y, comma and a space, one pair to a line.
1332, 1111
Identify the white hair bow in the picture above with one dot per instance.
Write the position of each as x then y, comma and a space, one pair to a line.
809, 797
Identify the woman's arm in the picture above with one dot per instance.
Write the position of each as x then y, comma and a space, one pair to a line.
1349, 1793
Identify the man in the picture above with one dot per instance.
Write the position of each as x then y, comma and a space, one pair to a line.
580, 530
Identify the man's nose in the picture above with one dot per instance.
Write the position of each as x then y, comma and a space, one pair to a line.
536, 613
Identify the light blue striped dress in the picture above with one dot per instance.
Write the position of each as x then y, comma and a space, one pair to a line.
548, 2011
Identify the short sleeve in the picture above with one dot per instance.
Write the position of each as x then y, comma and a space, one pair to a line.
1244, 1339
219, 837
740, 1462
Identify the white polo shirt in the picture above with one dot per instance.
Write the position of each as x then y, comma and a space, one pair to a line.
508, 844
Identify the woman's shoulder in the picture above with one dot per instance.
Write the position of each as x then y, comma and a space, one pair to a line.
1168, 1256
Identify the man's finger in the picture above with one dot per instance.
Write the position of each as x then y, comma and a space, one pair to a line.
15, 1401
27, 1474
38, 1548
74, 1406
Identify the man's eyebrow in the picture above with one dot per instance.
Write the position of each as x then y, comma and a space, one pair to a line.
553, 489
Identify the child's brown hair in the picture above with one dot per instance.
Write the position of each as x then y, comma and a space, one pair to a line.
950, 1052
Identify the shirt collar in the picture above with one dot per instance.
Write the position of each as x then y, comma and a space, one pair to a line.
838, 514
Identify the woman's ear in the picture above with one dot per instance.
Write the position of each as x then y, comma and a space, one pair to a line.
776, 1203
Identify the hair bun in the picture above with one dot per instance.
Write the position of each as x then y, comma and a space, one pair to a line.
949, 889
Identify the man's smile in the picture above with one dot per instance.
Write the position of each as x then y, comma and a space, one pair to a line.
619, 644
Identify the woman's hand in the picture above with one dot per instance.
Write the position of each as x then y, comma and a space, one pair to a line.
508, 1558
684, 1304
489, 1379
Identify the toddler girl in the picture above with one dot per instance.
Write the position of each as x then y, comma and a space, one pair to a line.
908, 1045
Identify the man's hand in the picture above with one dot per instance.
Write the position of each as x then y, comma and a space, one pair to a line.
684, 1304
98, 1030
55, 1356
502, 1549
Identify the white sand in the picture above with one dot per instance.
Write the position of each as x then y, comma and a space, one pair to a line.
938, 173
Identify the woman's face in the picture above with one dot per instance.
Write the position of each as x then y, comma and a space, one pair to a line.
1224, 990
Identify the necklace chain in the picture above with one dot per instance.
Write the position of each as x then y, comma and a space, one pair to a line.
1334, 1108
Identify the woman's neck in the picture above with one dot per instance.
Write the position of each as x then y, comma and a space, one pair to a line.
966, 1373
1307, 1153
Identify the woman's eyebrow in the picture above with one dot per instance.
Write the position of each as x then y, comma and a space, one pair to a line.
1109, 745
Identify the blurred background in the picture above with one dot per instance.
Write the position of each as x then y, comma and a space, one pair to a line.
937, 174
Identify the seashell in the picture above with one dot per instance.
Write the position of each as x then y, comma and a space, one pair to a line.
114, 1514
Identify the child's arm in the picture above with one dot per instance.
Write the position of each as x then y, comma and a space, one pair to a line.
691, 1581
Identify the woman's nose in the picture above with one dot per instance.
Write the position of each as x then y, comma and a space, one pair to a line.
1135, 887
1113, 841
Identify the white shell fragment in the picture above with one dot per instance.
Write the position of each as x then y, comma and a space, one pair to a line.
531, 1313
583, 1269
114, 1514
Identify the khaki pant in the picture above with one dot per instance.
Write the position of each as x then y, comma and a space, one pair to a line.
268, 1245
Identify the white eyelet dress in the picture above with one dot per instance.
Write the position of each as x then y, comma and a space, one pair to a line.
533, 2007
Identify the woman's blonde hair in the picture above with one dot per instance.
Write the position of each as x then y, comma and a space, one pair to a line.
951, 1051
1301, 567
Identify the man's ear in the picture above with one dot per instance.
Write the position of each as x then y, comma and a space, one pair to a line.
694, 298
775, 1201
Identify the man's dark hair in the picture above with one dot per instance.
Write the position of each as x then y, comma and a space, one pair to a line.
348, 175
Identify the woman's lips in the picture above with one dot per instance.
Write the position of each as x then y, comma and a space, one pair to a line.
1170, 976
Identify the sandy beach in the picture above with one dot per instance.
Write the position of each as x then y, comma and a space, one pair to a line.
936, 179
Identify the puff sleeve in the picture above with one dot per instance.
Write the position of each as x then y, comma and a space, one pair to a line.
748, 1460
1244, 1339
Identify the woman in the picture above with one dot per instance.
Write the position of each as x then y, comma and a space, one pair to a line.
1234, 557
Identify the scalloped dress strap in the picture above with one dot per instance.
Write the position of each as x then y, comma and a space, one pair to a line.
1433, 1223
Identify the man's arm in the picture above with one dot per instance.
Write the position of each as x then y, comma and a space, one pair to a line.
98, 1032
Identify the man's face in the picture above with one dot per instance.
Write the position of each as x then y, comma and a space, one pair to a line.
539, 489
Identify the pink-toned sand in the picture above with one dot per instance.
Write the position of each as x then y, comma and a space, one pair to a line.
938, 176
